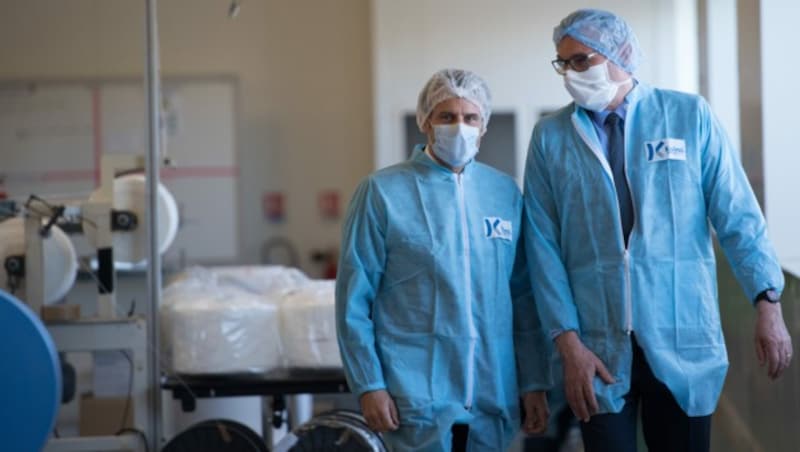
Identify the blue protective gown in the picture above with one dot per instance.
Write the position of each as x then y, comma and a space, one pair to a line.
426, 301
684, 178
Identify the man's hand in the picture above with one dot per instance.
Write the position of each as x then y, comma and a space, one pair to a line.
536, 412
580, 367
379, 411
773, 343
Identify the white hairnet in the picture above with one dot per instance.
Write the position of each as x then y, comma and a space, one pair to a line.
454, 83
604, 32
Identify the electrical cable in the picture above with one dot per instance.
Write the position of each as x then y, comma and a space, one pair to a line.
124, 421
52, 208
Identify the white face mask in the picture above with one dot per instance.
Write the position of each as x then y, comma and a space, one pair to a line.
455, 144
593, 88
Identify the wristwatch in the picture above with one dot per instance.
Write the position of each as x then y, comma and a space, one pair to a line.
769, 295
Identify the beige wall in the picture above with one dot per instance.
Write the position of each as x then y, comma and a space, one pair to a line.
305, 119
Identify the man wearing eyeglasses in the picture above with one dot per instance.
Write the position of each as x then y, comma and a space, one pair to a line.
622, 188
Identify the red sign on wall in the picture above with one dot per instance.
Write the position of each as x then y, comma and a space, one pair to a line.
328, 202
272, 203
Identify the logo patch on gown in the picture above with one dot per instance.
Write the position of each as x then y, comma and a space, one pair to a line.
497, 228
666, 149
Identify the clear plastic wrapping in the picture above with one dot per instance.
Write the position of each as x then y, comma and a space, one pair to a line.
308, 326
222, 320
210, 327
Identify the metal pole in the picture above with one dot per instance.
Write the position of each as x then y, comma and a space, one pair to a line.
152, 165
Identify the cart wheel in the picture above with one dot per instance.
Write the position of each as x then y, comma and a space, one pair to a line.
218, 435
337, 431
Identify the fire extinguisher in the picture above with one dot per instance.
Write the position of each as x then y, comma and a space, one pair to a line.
328, 260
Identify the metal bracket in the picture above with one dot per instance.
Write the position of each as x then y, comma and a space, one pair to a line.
123, 220
92, 335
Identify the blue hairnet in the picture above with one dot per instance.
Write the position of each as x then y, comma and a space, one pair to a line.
451, 83
604, 32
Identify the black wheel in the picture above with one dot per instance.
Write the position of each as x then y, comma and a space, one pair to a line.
218, 435
337, 431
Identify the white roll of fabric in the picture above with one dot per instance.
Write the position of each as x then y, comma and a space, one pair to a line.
60, 258
209, 328
308, 326
130, 194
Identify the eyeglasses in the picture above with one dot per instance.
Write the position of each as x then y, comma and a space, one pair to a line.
577, 63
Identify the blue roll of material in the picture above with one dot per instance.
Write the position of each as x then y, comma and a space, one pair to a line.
30, 383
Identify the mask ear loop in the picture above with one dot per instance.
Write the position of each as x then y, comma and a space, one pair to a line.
618, 83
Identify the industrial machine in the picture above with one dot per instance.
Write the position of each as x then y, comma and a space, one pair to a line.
40, 264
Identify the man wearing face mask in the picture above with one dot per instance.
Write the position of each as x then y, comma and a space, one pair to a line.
432, 295
621, 190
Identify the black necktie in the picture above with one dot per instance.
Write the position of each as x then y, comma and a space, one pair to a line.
616, 159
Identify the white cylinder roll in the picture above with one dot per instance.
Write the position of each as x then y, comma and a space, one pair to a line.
59, 256
129, 194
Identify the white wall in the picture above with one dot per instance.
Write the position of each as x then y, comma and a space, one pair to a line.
780, 151
508, 43
722, 65
304, 121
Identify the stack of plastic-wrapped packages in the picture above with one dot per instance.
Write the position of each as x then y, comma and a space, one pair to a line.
308, 326
223, 320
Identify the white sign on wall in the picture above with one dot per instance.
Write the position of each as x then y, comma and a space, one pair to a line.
53, 135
